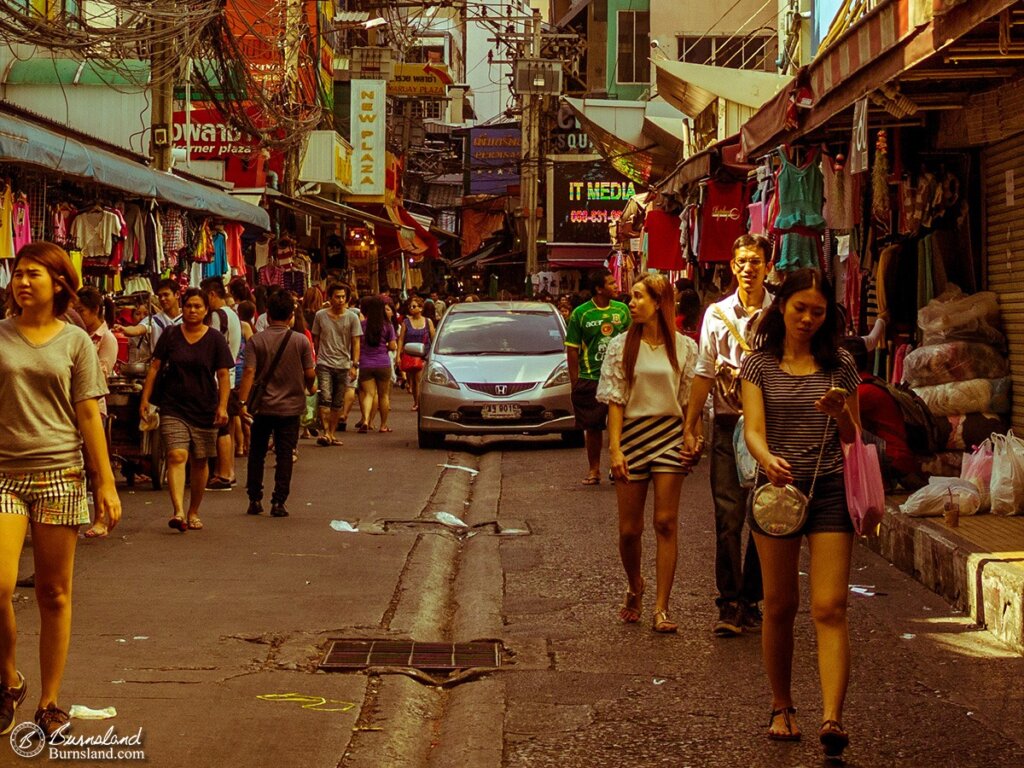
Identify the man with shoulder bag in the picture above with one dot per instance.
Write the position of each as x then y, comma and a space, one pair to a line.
278, 373
728, 324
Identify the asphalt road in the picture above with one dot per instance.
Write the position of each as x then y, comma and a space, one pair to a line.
209, 641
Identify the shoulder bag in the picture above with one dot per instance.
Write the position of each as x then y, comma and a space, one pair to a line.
782, 511
728, 385
259, 387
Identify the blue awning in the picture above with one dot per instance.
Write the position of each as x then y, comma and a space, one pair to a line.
23, 141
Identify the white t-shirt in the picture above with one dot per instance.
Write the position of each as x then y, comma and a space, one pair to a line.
233, 334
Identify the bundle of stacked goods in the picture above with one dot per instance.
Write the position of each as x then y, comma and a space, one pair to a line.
961, 371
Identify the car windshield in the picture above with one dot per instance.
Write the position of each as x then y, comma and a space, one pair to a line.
500, 332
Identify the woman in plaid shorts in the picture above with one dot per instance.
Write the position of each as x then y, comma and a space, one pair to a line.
50, 385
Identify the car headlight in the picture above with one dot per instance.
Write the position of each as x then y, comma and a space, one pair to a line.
558, 376
438, 374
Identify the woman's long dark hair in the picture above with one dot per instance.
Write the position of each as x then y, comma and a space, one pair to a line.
771, 331
373, 310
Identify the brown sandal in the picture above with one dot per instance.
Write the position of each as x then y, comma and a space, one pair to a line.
662, 624
629, 613
834, 739
789, 734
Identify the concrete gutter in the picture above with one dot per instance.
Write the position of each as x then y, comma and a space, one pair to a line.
982, 584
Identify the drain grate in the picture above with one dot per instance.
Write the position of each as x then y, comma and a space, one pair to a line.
360, 654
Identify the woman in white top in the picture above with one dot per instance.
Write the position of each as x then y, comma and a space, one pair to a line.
645, 380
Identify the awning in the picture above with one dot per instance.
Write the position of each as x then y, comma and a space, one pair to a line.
617, 129
692, 88
879, 47
322, 208
44, 70
481, 253
577, 256
422, 243
23, 141
720, 155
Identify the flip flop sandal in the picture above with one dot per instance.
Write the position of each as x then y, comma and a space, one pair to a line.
195, 524
788, 734
178, 524
323, 441
386, 429
92, 533
590, 480
629, 613
834, 739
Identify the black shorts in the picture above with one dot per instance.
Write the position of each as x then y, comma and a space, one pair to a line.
590, 414
827, 512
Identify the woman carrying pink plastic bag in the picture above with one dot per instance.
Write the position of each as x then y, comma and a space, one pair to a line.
865, 491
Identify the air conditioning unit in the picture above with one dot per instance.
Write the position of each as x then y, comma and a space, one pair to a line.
372, 63
539, 76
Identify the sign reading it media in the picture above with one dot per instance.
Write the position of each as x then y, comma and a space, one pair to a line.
586, 198
368, 125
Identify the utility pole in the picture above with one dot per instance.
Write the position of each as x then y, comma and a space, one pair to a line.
530, 173
163, 65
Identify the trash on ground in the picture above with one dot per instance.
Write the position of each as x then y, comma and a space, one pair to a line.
344, 526
447, 518
80, 712
459, 466
862, 591
908, 636
659, 681
141, 637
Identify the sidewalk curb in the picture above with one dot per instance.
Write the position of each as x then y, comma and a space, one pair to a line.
979, 583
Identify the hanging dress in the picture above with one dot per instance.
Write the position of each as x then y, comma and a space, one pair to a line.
801, 195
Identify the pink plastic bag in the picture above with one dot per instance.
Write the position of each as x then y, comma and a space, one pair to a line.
977, 468
865, 492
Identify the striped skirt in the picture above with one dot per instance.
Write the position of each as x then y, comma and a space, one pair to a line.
653, 444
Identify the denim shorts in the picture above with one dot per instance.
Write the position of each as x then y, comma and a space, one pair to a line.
331, 384
53, 497
827, 512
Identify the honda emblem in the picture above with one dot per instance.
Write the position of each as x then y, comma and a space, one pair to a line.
501, 389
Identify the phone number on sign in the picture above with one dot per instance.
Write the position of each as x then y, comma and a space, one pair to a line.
594, 217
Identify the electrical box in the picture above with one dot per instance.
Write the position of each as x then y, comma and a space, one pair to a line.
538, 76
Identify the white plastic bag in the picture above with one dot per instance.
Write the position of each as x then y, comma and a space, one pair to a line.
956, 317
746, 467
931, 500
1007, 486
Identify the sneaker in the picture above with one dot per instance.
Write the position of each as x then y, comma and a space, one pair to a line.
278, 510
219, 484
730, 621
342, 426
751, 617
51, 719
10, 699
255, 508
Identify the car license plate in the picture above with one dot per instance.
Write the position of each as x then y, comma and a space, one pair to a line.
501, 411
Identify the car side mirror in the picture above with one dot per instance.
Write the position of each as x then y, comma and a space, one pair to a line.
415, 349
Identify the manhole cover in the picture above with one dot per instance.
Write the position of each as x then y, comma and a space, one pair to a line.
359, 654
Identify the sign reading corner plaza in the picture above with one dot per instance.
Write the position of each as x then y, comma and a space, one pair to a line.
367, 139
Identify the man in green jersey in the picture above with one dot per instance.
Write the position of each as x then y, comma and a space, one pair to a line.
591, 326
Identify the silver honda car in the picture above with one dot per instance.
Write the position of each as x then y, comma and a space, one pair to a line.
496, 367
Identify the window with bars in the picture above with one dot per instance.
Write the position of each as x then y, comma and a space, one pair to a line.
424, 109
634, 48
739, 52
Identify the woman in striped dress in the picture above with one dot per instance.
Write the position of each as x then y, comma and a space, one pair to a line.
645, 380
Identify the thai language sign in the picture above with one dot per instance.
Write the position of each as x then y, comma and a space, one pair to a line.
367, 139
585, 198
424, 80
494, 157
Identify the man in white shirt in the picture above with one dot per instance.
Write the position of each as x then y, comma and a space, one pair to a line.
223, 318
725, 337
167, 294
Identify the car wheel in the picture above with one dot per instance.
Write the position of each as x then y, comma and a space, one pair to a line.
573, 439
430, 440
